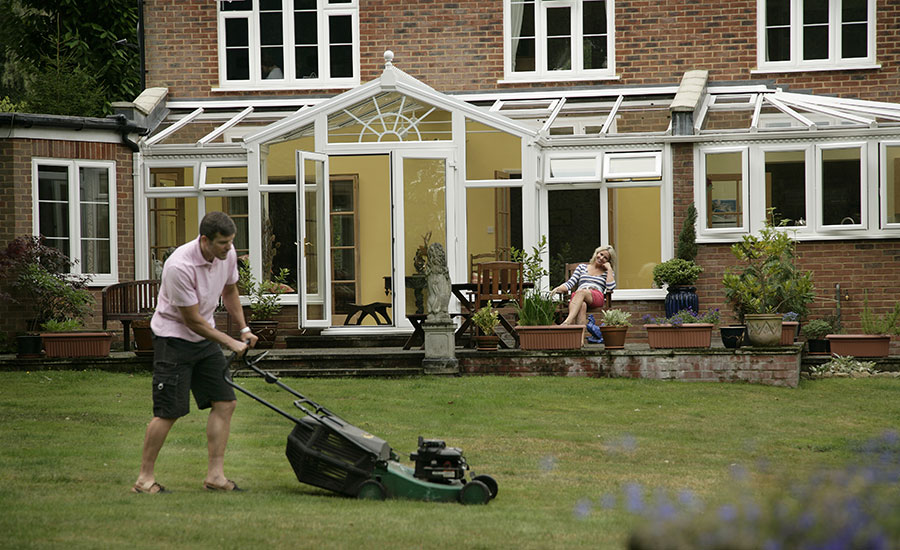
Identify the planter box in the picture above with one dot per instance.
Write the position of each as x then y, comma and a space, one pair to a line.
76, 344
860, 345
551, 337
789, 332
688, 335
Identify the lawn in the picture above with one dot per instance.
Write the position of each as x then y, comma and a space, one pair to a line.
562, 450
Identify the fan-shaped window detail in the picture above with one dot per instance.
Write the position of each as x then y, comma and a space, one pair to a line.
389, 117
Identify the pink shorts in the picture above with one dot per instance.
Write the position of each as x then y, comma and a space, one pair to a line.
597, 298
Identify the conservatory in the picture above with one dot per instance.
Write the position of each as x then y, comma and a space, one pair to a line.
346, 192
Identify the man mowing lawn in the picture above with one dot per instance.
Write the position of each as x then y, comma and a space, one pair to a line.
187, 356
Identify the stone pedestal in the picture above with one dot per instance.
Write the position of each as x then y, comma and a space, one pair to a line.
440, 348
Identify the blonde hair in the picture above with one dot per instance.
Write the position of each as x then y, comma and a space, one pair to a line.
608, 248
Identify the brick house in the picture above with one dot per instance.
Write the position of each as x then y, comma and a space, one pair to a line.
494, 123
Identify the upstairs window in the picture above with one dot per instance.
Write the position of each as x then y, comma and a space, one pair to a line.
816, 34
559, 39
295, 43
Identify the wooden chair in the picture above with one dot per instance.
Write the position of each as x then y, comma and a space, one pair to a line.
564, 308
477, 259
500, 285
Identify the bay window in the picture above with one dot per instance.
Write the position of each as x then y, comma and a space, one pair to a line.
76, 213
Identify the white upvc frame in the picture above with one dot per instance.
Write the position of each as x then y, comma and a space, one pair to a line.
74, 209
757, 204
205, 166
834, 61
863, 187
325, 10
700, 154
184, 190
882, 188
590, 158
654, 173
577, 72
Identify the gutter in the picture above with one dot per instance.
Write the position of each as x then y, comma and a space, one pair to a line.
116, 123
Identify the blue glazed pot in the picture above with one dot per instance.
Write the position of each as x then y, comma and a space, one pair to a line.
681, 297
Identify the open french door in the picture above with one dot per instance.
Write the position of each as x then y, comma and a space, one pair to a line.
313, 236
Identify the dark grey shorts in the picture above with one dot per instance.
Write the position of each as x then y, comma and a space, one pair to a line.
181, 367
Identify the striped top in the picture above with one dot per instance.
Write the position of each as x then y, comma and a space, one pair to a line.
581, 279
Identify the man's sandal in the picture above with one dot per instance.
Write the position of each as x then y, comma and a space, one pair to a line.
228, 486
151, 490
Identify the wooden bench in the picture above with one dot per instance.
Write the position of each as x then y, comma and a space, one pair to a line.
127, 302
373, 310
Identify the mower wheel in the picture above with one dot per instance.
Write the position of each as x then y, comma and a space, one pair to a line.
475, 492
490, 482
371, 489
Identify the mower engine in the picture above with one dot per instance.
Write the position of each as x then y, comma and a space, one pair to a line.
437, 462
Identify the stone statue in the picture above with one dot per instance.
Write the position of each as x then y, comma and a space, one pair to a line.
438, 277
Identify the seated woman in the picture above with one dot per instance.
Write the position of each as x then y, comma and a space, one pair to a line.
589, 282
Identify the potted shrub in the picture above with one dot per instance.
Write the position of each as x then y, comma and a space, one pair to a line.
876, 338
816, 330
68, 338
486, 319
766, 284
614, 325
685, 329
681, 272
535, 327
264, 303
790, 326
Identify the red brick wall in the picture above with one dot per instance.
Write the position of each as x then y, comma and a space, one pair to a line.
16, 203
458, 46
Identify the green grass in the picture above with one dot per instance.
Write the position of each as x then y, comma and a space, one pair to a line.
70, 447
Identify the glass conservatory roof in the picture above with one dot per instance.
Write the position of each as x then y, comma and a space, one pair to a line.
560, 116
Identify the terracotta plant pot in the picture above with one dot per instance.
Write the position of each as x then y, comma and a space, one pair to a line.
763, 329
76, 344
614, 337
545, 337
688, 335
860, 345
143, 337
789, 332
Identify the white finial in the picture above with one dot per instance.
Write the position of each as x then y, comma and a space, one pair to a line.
388, 58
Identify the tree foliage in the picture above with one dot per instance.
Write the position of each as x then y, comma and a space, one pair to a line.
52, 37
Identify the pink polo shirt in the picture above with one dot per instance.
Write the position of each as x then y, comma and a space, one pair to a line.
188, 279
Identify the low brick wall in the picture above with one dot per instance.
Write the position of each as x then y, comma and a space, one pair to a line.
773, 366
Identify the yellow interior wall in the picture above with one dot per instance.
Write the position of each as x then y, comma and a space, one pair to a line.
281, 161
637, 229
489, 150
480, 216
374, 205
229, 174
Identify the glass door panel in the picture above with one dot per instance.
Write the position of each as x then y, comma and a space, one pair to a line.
312, 192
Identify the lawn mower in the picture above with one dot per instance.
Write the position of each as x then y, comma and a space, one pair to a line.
328, 452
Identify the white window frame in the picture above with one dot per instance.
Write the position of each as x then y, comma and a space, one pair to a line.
325, 9
700, 191
204, 168
541, 73
655, 174
758, 180
882, 187
834, 61
74, 203
595, 158
182, 191
863, 187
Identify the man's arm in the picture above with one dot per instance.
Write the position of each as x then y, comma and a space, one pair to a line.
231, 297
194, 321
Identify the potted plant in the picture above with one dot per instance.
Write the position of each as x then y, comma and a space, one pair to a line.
486, 319
680, 273
790, 326
816, 330
536, 315
68, 338
685, 329
264, 302
733, 336
38, 278
143, 334
614, 325
766, 283
876, 338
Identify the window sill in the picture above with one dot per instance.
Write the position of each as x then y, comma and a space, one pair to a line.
813, 68
556, 78
280, 87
